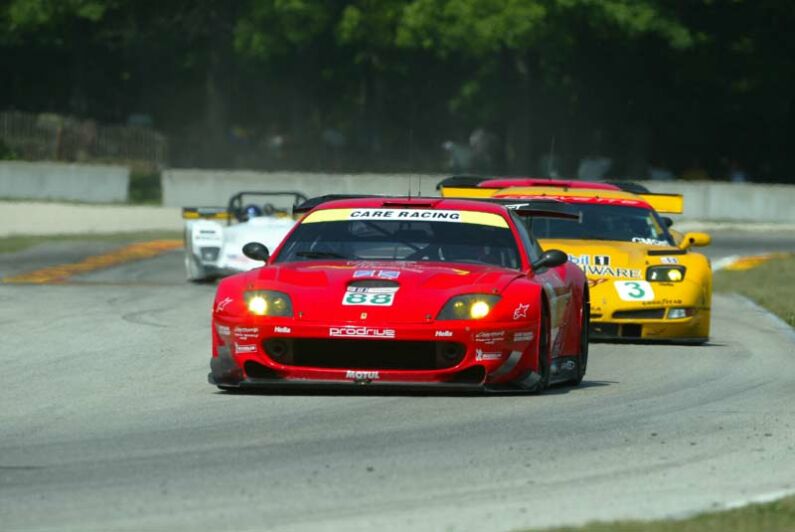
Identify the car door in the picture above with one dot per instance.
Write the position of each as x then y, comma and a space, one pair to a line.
557, 288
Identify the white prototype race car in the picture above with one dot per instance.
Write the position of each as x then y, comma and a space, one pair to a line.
215, 236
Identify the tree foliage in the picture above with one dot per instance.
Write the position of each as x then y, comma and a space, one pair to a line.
649, 81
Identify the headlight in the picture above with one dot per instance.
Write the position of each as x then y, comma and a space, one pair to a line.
468, 307
268, 303
665, 274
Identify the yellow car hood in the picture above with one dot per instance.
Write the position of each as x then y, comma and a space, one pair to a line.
610, 259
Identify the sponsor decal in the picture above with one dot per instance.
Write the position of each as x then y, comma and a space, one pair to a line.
223, 330
650, 241
350, 331
443, 334
246, 333
405, 214
521, 311
362, 375
581, 199
369, 296
601, 260
663, 301
486, 355
282, 330
221, 305
523, 336
609, 271
634, 290
490, 337
378, 274
580, 260
597, 281
669, 260
240, 348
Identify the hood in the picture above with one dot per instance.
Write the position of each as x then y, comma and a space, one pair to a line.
320, 290
609, 259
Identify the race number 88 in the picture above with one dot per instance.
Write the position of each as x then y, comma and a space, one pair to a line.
358, 298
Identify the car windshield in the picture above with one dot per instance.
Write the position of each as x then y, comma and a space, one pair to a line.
606, 222
402, 241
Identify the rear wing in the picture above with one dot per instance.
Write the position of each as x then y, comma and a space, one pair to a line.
205, 213
665, 203
236, 206
662, 203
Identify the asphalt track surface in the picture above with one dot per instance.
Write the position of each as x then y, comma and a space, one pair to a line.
107, 423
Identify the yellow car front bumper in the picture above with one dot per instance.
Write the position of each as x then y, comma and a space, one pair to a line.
678, 312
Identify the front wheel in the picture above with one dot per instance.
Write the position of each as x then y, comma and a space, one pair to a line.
194, 270
582, 357
543, 353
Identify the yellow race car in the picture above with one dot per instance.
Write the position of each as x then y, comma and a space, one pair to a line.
645, 281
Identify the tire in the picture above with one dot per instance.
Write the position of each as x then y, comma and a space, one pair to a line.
193, 270
543, 353
585, 325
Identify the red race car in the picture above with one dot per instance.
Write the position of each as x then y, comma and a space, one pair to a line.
408, 292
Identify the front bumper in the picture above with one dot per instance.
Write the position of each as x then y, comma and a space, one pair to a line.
614, 319
243, 356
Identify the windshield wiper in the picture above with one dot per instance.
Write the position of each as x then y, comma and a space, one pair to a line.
320, 255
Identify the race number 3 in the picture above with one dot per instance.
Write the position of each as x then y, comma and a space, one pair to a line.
634, 290
382, 299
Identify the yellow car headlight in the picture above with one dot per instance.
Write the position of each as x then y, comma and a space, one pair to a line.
268, 303
665, 274
468, 307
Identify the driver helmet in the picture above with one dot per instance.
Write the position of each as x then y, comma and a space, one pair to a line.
252, 211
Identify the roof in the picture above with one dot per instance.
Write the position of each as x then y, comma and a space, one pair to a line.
416, 203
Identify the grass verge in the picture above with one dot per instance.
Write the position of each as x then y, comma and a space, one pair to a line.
771, 285
777, 516
21, 242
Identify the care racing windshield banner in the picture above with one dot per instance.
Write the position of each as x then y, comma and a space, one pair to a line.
427, 215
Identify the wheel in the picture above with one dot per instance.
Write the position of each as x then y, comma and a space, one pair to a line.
543, 353
585, 324
193, 269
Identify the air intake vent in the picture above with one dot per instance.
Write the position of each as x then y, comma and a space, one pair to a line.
642, 314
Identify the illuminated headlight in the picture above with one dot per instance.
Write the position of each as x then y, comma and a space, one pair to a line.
468, 307
665, 274
679, 313
269, 303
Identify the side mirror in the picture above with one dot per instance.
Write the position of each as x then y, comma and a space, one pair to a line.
667, 221
695, 239
256, 251
550, 259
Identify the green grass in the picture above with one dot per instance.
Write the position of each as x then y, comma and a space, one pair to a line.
778, 516
20, 242
771, 285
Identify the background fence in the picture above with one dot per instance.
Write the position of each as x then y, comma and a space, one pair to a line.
60, 138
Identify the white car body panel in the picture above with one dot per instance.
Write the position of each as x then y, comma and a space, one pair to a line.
214, 249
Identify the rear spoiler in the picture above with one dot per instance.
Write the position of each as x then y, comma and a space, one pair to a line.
662, 203
665, 203
236, 205
205, 213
